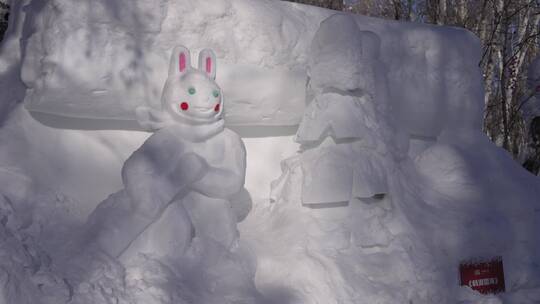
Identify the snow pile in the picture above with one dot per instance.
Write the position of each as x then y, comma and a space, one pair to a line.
393, 186
205, 274
32, 221
481, 212
355, 219
344, 189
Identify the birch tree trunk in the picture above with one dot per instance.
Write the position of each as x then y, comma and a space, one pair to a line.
442, 12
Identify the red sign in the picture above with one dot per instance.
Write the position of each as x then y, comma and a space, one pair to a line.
483, 276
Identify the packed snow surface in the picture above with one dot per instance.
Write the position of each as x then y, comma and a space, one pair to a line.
385, 187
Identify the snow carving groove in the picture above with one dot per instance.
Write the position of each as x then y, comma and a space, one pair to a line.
343, 134
179, 183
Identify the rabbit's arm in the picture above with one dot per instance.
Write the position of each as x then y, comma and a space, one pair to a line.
151, 119
156, 173
226, 178
153, 176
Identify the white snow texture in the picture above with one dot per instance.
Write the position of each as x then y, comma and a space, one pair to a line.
365, 176
182, 176
116, 54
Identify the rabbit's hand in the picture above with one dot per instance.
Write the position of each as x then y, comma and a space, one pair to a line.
189, 169
152, 120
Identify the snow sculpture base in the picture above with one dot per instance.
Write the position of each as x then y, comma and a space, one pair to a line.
401, 248
165, 240
212, 218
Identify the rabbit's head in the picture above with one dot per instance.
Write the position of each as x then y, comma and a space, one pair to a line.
192, 95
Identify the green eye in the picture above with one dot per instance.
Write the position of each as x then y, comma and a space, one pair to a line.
215, 93
191, 91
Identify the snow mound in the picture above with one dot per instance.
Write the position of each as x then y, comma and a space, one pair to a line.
395, 229
32, 222
205, 274
354, 219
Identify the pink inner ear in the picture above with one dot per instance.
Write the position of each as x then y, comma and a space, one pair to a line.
182, 62
208, 65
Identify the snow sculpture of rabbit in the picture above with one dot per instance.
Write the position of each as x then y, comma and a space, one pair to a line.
178, 183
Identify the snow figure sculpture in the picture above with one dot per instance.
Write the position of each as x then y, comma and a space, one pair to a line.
178, 183
343, 131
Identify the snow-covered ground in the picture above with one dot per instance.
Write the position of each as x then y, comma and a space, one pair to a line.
388, 184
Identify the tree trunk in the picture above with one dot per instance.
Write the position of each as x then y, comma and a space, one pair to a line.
442, 12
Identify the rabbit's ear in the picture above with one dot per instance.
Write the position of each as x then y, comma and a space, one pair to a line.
180, 61
207, 62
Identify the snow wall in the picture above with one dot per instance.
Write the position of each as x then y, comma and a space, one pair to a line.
100, 59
